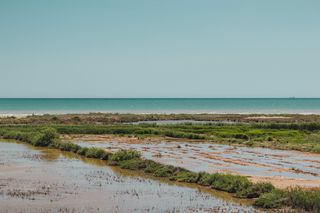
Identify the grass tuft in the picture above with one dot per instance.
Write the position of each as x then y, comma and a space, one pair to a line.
185, 176
125, 155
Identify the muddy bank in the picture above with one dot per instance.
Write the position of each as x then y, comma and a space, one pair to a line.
281, 167
44, 180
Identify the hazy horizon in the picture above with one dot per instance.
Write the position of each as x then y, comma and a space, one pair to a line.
159, 49
162, 98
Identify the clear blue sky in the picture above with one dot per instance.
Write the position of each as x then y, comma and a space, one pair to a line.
159, 48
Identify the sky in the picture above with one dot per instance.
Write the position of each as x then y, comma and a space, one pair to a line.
159, 48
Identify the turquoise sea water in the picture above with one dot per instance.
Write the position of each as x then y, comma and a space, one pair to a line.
163, 105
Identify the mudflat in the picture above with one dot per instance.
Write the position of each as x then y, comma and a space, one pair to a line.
46, 180
283, 168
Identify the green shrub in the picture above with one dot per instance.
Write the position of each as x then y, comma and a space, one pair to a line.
164, 171
230, 183
125, 155
82, 151
185, 176
206, 179
307, 200
42, 137
255, 190
295, 198
241, 136
316, 148
55, 144
133, 164
10, 135
45, 137
176, 134
249, 143
68, 146
274, 199
294, 126
151, 166
94, 152
269, 138
35, 139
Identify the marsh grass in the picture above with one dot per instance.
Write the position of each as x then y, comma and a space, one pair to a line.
296, 136
43, 137
274, 199
296, 198
307, 200
185, 176
112, 118
99, 153
255, 190
152, 166
67, 146
229, 183
124, 155
133, 164
164, 171
206, 179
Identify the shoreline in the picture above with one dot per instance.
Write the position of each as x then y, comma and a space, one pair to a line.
253, 115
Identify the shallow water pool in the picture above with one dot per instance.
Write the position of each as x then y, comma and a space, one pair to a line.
46, 180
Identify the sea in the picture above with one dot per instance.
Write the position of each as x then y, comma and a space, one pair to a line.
28, 106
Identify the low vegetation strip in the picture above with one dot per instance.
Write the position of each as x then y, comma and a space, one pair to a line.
113, 118
295, 136
265, 194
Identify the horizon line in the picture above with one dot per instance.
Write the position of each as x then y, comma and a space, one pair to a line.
160, 97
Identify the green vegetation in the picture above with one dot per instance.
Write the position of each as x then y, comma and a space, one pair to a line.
124, 155
274, 199
255, 190
295, 132
230, 183
186, 176
152, 167
67, 146
206, 179
116, 118
303, 137
43, 137
96, 153
309, 201
234, 184
133, 164
295, 198
164, 171
292, 126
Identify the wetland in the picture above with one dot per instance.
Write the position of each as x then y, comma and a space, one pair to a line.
122, 163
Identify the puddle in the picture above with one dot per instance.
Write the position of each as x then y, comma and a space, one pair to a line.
281, 167
45, 180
